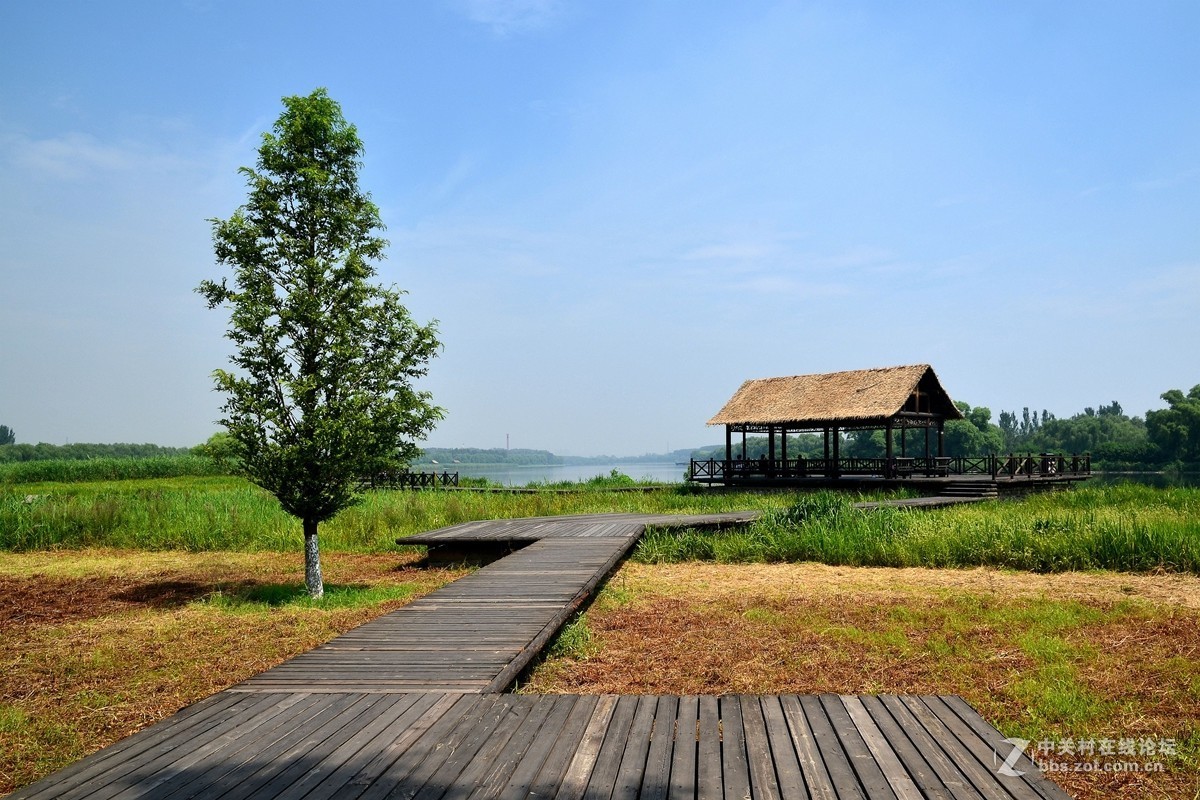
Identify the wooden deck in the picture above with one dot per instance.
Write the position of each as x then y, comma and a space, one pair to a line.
407, 706
572, 527
433, 745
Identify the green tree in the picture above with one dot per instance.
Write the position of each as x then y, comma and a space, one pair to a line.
7, 435
1176, 429
975, 435
325, 360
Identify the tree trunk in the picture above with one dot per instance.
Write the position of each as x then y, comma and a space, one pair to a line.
312, 561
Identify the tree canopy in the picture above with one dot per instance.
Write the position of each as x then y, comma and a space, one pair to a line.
1176, 428
324, 364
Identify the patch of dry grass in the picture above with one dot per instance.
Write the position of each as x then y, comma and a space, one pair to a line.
96, 645
1041, 657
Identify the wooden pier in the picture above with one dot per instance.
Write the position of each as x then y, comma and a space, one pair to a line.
408, 706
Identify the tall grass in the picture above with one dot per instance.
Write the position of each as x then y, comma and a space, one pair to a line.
226, 513
1123, 527
109, 469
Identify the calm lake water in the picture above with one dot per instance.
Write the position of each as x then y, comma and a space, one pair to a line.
519, 476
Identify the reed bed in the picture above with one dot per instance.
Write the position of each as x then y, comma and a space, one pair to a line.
227, 513
1121, 527
109, 469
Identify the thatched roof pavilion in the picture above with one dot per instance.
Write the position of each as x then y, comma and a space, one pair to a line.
886, 399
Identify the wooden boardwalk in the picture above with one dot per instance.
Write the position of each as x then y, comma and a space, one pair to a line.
407, 706
427, 746
527, 529
475, 635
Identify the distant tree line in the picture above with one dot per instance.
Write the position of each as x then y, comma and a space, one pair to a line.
10, 453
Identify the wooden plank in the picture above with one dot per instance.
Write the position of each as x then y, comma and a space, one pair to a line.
265, 770
882, 749
656, 780
873, 781
784, 757
395, 761
928, 751
709, 785
759, 754
541, 773
986, 755
177, 753
432, 752
827, 752
984, 779
194, 718
538, 713
995, 739
735, 770
683, 759
326, 779
594, 769
575, 779
630, 774
469, 760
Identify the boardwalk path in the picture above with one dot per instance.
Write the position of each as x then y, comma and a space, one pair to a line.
407, 706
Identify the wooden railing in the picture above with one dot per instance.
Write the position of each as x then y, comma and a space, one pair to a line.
408, 480
1031, 465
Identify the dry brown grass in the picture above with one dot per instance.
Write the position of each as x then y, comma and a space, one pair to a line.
1075, 655
96, 645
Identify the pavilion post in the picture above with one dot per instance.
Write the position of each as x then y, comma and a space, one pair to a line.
783, 444
770, 449
888, 450
728, 471
928, 460
836, 472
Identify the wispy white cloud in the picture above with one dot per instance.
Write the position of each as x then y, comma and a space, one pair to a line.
854, 258
732, 251
79, 156
1175, 286
458, 174
1170, 181
507, 17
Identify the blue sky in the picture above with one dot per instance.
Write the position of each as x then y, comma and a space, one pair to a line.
618, 211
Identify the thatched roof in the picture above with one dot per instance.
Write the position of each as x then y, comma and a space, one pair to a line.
857, 397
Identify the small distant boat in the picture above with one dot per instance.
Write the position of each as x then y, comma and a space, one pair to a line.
434, 461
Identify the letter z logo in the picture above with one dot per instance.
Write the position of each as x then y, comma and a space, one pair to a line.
1018, 747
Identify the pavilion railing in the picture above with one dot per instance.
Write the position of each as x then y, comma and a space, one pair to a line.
1031, 465
403, 479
